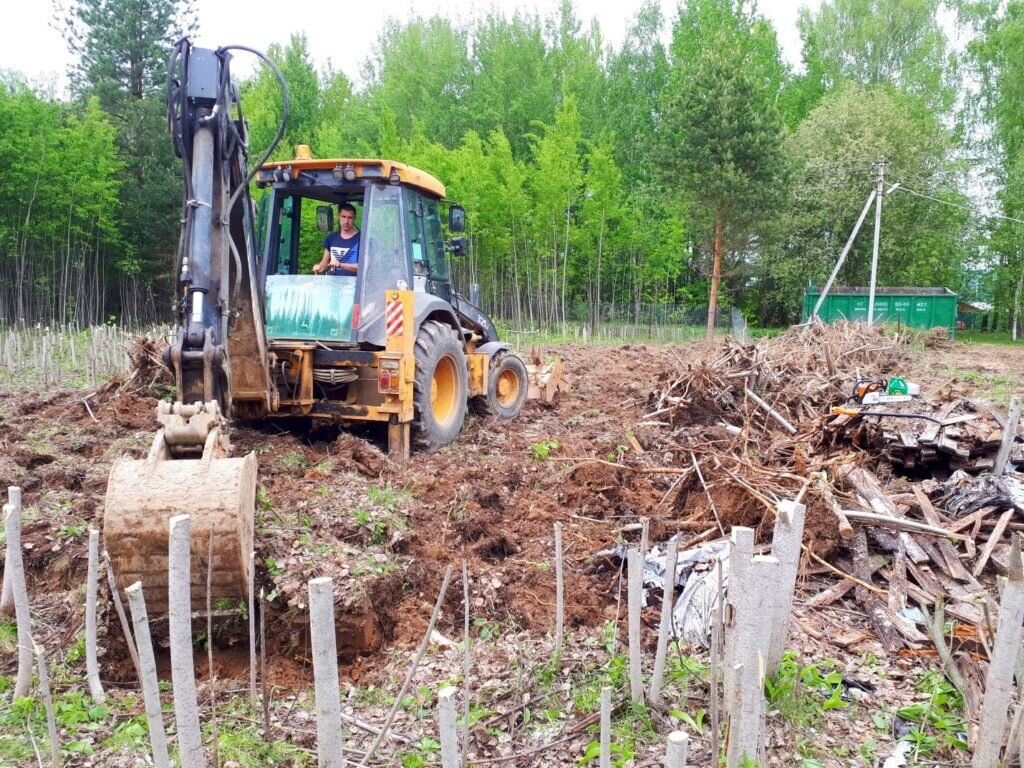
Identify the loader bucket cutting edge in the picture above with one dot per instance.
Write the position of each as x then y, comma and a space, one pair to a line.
219, 495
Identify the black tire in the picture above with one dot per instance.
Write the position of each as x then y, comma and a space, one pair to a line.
508, 384
441, 387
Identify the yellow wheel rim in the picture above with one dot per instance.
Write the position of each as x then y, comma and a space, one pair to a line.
506, 390
444, 390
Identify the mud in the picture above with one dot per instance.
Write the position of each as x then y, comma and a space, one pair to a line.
331, 503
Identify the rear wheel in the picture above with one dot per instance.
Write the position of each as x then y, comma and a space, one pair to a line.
440, 387
507, 387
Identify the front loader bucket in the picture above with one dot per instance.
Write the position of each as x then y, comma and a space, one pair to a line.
218, 493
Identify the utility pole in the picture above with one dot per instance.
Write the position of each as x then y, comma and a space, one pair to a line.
879, 194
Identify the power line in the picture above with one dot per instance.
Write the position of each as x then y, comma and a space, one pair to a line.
962, 207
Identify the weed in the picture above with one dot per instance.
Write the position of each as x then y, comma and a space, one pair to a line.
263, 499
376, 525
543, 449
244, 745
788, 690
292, 461
131, 736
72, 531
696, 724
939, 720
272, 567
77, 651
680, 668
8, 637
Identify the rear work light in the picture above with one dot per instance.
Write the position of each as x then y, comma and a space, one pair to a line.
388, 376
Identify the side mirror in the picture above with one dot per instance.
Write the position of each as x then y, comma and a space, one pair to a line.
457, 218
457, 245
324, 218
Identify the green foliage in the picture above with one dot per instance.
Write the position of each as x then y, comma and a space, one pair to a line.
939, 718
293, 461
543, 449
801, 694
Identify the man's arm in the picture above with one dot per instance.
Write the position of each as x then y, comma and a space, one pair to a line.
319, 269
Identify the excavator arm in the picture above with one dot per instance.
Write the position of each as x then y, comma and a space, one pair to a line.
220, 350
219, 357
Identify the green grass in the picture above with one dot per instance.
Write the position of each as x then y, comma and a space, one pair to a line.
988, 337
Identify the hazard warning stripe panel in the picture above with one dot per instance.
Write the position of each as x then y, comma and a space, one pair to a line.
393, 318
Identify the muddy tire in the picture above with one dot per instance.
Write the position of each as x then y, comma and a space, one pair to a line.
508, 384
441, 386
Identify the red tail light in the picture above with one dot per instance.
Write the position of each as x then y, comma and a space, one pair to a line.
355, 316
385, 381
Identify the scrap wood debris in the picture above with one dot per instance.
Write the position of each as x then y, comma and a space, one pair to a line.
755, 425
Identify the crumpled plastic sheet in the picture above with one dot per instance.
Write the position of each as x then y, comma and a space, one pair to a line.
696, 575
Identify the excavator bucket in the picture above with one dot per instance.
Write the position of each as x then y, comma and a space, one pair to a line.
219, 495
546, 379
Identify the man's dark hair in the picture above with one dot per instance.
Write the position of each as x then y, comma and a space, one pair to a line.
347, 207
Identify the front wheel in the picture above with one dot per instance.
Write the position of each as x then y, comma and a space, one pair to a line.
441, 389
507, 387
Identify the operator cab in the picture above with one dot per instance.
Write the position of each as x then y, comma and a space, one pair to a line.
401, 245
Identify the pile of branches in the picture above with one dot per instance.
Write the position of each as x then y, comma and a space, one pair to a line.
793, 378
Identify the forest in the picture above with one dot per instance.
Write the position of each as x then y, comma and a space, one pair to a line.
691, 165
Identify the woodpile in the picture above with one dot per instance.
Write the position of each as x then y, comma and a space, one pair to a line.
913, 551
959, 435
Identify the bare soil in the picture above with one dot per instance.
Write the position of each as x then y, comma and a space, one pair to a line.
332, 503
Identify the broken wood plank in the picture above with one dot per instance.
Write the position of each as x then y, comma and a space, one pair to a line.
1009, 435
997, 532
900, 524
950, 558
876, 610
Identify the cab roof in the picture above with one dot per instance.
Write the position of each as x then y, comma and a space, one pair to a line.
362, 168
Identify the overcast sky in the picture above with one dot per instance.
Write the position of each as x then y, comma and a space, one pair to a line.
342, 31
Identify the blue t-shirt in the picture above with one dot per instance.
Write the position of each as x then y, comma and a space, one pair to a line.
344, 249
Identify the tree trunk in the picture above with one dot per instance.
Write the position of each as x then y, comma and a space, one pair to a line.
716, 275
1016, 305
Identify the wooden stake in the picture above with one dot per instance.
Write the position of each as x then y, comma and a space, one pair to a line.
559, 593
252, 631
468, 659
7, 596
606, 727
412, 669
741, 551
148, 679
14, 564
786, 540
678, 746
664, 627
186, 705
325, 673
999, 680
51, 723
635, 596
92, 667
119, 609
448, 731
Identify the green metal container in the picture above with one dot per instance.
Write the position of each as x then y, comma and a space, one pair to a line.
913, 307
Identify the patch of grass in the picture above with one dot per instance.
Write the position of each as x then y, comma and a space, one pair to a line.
987, 337
939, 720
245, 745
292, 461
131, 736
993, 387
8, 637
802, 694
73, 530
263, 502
